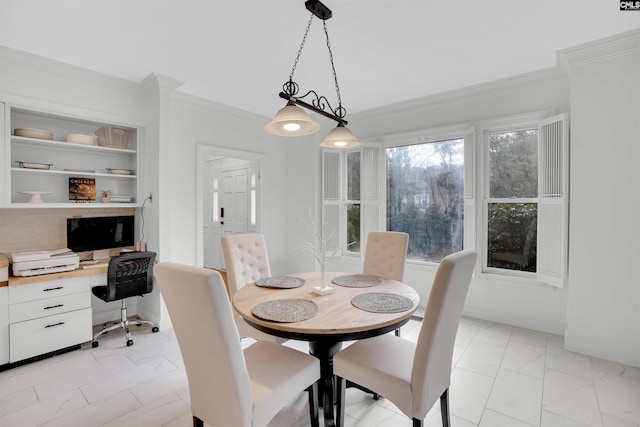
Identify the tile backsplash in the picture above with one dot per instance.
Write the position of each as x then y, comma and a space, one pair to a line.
43, 229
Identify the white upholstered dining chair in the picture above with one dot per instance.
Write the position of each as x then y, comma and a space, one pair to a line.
413, 375
385, 254
229, 386
246, 260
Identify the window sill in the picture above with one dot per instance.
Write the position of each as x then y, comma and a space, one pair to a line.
514, 279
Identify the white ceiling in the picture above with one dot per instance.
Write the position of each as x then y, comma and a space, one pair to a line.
240, 52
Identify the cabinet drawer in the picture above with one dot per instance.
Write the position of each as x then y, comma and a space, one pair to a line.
47, 289
48, 307
39, 336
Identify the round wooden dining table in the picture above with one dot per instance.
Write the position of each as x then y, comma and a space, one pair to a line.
336, 320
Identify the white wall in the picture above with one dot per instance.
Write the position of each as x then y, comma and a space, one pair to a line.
302, 199
196, 121
603, 317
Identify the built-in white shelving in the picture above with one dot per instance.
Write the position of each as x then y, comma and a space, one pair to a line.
67, 160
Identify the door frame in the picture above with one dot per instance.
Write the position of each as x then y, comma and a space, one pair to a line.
215, 230
204, 154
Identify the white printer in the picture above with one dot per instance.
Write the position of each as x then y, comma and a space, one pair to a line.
43, 262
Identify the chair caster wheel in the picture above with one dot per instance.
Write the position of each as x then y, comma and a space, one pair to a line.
94, 344
129, 343
154, 329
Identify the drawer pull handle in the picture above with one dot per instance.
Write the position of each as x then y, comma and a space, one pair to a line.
55, 324
54, 306
53, 289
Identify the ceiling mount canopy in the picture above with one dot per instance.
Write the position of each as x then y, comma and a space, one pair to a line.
293, 120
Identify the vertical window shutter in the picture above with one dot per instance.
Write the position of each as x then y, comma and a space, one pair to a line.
553, 185
331, 177
469, 238
370, 173
370, 181
331, 218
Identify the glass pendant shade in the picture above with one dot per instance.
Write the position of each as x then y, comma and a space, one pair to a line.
340, 137
291, 121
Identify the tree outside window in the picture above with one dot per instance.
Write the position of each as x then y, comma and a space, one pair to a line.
425, 197
512, 210
353, 202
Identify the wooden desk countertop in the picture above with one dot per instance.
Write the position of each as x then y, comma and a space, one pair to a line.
78, 272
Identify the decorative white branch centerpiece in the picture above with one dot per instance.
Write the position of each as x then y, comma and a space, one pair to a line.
318, 248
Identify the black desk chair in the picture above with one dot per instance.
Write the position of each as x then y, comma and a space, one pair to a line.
128, 275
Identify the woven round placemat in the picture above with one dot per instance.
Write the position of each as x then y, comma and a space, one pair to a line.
357, 281
380, 302
286, 310
280, 282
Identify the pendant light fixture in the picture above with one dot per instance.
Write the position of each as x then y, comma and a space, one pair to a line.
292, 120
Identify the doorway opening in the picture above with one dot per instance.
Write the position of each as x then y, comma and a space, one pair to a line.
228, 199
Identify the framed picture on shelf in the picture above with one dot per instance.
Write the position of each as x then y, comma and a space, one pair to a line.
82, 189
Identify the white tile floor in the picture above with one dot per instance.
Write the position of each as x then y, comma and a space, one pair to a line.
503, 376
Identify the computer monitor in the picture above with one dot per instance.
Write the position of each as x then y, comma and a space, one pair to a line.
100, 233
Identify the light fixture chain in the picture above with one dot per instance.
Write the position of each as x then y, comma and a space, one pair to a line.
304, 39
339, 111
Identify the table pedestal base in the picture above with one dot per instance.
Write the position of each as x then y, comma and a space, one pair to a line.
325, 351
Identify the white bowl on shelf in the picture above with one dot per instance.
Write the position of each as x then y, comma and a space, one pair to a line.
32, 133
79, 138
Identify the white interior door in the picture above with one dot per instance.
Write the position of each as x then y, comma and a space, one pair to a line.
229, 205
234, 209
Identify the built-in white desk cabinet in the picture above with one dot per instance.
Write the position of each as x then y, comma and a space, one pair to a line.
50, 312
48, 316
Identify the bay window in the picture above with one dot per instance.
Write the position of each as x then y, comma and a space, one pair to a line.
507, 201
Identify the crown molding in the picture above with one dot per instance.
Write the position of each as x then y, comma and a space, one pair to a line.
164, 83
22, 61
207, 106
599, 50
462, 95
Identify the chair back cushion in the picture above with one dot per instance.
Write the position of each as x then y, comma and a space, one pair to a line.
431, 373
200, 311
130, 275
245, 256
385, 254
